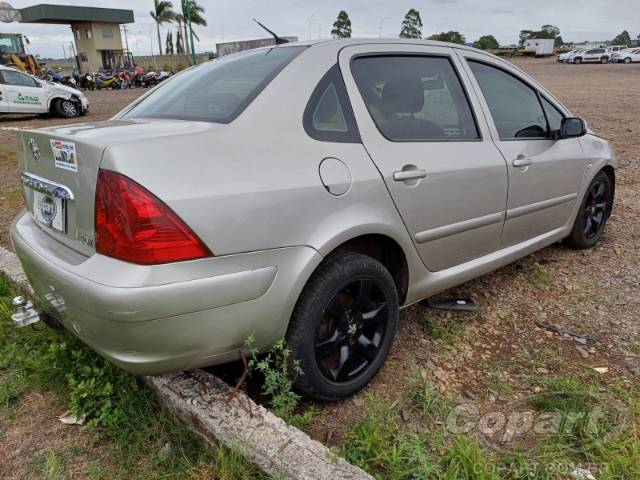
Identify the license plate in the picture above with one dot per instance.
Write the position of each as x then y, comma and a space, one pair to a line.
49, 210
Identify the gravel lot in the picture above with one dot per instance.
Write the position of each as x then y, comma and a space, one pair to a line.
490, 356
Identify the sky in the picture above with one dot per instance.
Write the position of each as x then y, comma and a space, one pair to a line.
228, 20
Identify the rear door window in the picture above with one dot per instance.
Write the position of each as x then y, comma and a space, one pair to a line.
415, 97
217, 91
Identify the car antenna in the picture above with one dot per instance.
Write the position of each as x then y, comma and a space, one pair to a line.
279, 40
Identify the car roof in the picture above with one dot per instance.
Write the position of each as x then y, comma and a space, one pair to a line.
339, 43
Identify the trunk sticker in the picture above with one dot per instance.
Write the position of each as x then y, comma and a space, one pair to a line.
64, 155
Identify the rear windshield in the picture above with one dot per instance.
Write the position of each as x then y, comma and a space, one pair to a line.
217, 91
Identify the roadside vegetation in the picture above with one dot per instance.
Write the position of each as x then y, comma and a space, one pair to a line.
135, 437
578, 428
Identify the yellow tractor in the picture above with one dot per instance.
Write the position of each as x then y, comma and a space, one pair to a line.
13, 53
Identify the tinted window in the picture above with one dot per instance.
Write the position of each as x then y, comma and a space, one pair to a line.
415, 98
514, 105
16, 78
217, 91
328, 115
554, 116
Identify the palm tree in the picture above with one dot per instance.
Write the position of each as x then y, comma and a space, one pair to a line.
163, 13
196, 18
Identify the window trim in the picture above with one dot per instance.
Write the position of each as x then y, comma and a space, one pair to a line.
332, 76
535, 89
420, 54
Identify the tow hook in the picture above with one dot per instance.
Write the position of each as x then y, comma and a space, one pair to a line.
25, 313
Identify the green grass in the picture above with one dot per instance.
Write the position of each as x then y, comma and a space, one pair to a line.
119, 409
542, 277
591, 433
451, 331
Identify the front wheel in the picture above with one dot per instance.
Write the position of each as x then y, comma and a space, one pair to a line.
343, 325
67, 108
627, 60
577, 61
594, 212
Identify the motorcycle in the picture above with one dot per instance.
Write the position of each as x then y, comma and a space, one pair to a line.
152, 78
88, 81
107, 81
125, 79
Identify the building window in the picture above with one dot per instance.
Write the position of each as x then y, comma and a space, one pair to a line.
83, 57
88, 32
107, 33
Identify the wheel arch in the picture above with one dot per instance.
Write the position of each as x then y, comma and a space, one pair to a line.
386, 250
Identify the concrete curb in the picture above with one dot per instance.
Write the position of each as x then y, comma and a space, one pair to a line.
202, 401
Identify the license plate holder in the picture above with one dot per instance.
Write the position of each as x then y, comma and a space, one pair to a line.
50, 210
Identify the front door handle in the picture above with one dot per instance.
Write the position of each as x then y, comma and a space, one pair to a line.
522, 162
404, 175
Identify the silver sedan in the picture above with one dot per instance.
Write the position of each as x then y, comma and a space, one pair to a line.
305, 191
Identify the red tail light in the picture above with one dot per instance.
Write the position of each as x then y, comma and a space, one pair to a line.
134, 225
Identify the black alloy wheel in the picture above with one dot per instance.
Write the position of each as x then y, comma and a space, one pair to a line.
343, 325
351, 331
593, 214
594, 209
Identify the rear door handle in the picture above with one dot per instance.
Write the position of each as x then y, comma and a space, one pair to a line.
522, 162
404, 175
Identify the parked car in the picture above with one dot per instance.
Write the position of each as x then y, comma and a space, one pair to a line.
629, 55
563, 57
24, 93
593, 55
305, 191
574, 54
615, 49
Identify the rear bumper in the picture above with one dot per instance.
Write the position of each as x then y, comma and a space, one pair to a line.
155, 319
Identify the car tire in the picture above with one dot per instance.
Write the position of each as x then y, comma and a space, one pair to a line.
593, 214
343, 326
577, 61
604, 60
67, 108
627, 60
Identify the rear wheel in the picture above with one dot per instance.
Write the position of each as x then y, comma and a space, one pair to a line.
343, 326
67, 108
594, 212
604, 60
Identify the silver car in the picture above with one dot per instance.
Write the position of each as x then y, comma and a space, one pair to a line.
305, 191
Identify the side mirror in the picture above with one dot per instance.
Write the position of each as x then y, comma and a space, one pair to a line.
573, 127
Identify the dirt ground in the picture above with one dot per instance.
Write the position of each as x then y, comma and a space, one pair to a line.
489, 356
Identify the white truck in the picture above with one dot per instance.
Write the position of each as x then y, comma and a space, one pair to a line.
541, 47
24, 93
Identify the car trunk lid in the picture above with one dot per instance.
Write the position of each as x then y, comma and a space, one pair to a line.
60, 171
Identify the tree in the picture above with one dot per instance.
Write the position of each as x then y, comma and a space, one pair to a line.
163, 13
342, 26
411, 25
179, 43
623, 39
486, 42
196, 18
451, 37
551, 30
524, 36
559, 41
169, 43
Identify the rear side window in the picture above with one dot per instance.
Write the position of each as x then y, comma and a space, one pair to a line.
328, 115
217, 91
514, 105
415, 98
9, 77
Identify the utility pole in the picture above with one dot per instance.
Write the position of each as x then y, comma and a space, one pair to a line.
64, 52
126, 42
193, 50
